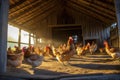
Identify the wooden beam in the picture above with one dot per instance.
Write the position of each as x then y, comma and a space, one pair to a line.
24, 9
29, 39
42, 9
117, 6
17, 4
12, 2
77, 12
19, 38
92, 9
100, 9
29, 27
65, 25
85, 11
103, 9
65, 29
102, 4
12, 10
4, 6
36, 21
46, 10
31, 12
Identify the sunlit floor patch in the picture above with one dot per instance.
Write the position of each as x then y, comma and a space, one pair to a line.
89, 64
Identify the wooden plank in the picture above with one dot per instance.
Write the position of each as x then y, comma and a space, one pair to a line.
12, 2
81, 18
117, 6
24, 9
16, 4
36, 21
20, 6
31, 25
19, 38
42, 9
31, 12
103, 4
106, 10
45, 12
65, 25
85, 11
4, 6
95, 11
100, 9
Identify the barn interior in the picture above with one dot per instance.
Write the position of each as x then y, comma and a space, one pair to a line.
45, 22
44, 18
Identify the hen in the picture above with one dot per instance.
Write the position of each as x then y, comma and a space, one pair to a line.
101, 50
35, 60
15, 58
33, 56
93, 48
66, 55
80, 50
113, 54
48, 51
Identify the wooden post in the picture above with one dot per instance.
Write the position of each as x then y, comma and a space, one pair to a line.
19, 38
117, 6
29, 39
4, 5
36, 41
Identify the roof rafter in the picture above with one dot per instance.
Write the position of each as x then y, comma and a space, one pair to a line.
43, 14
17, 4
85, 11
92, 10
98, 8
13, 2
77, 12
43, 11
23, 10
32, 13
18, 7
40, 18
104, 5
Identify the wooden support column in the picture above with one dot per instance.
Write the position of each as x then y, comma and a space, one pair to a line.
117, 6
36, 40
29, 39
4, 5
19, 38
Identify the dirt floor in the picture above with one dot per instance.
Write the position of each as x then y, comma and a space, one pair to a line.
89, 64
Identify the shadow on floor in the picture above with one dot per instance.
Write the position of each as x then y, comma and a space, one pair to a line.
98, 66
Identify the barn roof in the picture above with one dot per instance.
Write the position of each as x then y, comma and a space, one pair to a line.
26, 13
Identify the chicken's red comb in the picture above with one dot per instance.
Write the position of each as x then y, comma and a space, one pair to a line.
105, 42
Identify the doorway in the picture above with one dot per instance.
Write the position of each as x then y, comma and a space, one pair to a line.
61, 34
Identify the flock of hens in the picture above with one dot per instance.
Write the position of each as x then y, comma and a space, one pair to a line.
35, 55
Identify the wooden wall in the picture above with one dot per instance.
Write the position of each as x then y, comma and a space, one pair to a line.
91, 27
45, 32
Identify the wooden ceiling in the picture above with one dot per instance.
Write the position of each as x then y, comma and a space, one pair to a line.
26, 13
